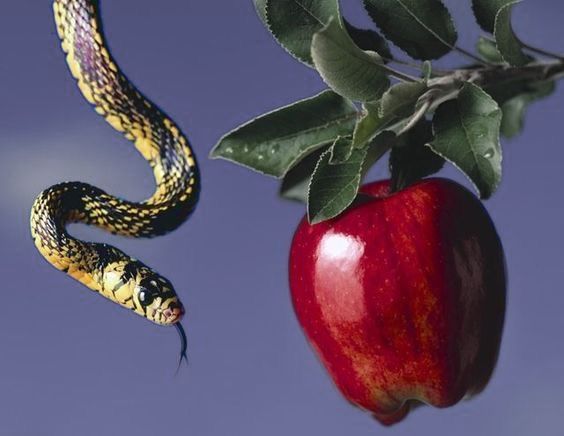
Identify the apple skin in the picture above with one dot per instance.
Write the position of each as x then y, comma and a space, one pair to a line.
403, 296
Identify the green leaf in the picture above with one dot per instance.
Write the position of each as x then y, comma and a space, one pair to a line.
489, 52
260, 6
353, 73
379, 146
391, 112
369, 40
295, 184
294, 22
370, 125
333, 187
273, 143
374, 123
495, 16
514, 109
507, 43
341, 150
400, 99
486, 11
422, 28
467, 134
411, 159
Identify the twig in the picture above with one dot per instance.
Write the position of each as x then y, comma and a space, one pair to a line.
417, 116
539, 71
446, 88
543, 52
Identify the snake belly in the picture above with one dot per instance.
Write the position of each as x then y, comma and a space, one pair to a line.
102, 267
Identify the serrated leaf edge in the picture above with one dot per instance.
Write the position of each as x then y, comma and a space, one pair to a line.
268, 24
497, 15
332, 160
354, 114
371, 56
498, 129
431, 31
356, 181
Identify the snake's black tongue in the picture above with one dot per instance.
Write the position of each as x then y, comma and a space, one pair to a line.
183, 345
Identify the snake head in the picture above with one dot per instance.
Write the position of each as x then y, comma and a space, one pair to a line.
156, 299
139, 288
159, 303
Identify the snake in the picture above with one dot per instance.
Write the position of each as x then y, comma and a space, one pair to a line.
101, 267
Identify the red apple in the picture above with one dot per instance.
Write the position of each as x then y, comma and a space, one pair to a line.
403, 296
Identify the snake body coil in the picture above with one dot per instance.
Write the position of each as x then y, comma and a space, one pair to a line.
101, 267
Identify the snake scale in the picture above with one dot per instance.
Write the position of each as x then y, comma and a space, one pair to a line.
102, 267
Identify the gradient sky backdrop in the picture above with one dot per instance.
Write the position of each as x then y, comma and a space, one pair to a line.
73, 364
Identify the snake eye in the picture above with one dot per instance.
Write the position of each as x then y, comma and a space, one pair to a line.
148, 290
146, 297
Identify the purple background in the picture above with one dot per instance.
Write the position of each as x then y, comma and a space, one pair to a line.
72, 363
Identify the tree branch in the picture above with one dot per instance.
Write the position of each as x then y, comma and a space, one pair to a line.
538, 71
445, 88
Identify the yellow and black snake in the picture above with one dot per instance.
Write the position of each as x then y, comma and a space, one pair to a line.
101, 267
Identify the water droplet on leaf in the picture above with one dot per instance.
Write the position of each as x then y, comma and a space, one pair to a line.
489, 154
